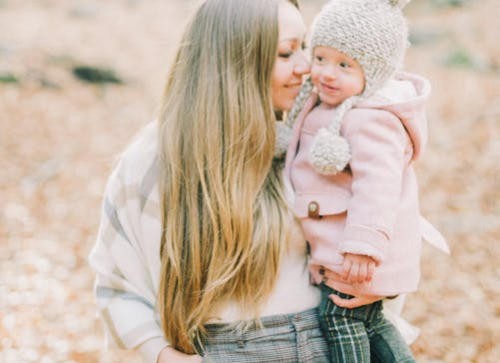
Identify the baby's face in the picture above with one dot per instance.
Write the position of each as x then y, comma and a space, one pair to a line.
336, 76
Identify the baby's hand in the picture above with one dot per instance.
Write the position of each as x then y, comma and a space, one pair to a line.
357, 268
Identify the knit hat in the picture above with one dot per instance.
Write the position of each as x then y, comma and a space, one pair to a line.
375, 34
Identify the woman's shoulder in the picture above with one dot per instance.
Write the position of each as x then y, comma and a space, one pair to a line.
141, 155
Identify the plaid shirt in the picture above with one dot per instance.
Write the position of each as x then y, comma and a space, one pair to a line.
126, 255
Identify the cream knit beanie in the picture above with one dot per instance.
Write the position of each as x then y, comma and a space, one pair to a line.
375, 34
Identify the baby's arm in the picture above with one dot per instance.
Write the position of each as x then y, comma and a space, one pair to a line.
379, 143
358, 268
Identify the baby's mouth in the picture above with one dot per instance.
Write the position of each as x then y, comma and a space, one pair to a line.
329, 89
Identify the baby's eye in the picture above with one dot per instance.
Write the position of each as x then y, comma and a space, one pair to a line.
344, 65
319, 58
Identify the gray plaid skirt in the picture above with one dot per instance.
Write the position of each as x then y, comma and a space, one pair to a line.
282, 339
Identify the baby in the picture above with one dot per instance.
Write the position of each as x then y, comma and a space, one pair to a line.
359, 125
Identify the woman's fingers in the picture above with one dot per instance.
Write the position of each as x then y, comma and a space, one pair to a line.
342, 283
355, 302
330, 275
335, 281
344, 303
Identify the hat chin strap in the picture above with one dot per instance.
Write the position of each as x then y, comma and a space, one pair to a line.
330, 152
283, 137
284, 129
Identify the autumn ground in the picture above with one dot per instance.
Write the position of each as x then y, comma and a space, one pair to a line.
59, 136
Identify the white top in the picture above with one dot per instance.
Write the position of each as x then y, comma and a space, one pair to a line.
127, 261
292, 293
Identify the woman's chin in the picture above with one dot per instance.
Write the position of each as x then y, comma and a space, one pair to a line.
285, 103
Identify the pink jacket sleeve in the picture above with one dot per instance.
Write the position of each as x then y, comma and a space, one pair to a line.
378, 143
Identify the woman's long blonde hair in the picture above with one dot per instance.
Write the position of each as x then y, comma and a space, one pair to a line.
224, 213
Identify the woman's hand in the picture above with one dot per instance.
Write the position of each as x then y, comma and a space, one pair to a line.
170, 355
335, 281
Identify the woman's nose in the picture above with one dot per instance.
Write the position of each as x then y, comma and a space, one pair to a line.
302, 65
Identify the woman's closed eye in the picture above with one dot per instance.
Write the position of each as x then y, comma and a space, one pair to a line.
285, 55
291, 51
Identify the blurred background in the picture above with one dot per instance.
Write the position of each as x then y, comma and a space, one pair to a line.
78, 78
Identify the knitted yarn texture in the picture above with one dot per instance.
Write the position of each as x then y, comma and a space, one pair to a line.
284, 129
373, 32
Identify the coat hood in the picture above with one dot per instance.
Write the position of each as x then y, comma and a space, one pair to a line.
406, 96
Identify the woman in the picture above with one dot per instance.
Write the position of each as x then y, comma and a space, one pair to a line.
195, 231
